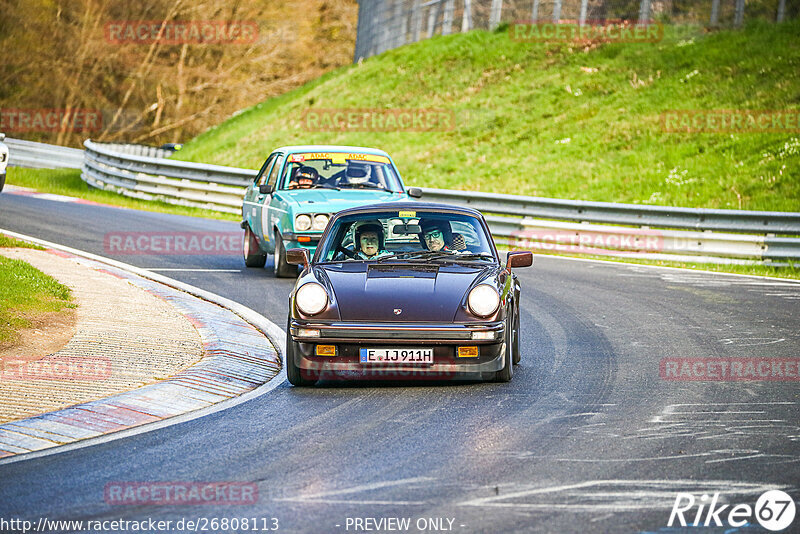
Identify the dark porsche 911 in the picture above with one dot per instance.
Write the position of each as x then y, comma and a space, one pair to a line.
405, 290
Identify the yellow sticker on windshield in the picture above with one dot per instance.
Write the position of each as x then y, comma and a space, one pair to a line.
338, 159
407, 214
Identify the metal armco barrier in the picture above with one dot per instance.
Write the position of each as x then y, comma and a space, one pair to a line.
34, 155
541, 224
124, 169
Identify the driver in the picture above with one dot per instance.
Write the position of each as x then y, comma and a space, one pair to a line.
435, 235
304, 178
369, 241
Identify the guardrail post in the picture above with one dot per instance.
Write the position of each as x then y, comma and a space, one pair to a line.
739, 17
714, 13
433, 12
781, 11
644, 11
447, 19
557, 12
495, 13
535, 11
416, 21
466, 17
584, 7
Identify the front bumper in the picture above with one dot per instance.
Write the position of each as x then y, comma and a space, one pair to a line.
444, 339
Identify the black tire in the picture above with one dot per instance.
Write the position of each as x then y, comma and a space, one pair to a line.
293, 372
282, 269
505, 374
2, 181
250, 250
515, 343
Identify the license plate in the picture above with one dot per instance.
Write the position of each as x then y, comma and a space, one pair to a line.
397, 355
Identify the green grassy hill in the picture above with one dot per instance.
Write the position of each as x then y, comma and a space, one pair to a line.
558, 121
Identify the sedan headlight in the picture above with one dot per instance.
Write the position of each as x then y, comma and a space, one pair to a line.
320, 222
483, 300
302, 223
311, 298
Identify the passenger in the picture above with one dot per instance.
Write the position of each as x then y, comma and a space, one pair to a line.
436, 235
369, 241
304, 178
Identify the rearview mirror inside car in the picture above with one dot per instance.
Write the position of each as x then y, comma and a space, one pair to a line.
406, 229
519, 258
297, 256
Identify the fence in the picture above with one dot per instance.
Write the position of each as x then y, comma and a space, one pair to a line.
387, 24
546, 224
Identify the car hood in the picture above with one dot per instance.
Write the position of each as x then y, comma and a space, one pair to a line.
422, 292
332, 201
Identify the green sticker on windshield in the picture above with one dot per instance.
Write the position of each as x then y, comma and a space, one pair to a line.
407, 214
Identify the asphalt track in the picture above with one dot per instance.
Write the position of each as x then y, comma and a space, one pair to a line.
586, 438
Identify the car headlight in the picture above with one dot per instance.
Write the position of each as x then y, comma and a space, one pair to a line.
311, 298
320, 221
302, 223
483, 300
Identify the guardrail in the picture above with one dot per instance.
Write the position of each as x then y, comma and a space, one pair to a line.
34, 155
541, 224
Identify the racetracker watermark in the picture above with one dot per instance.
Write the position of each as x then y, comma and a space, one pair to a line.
56, 368
173, 243
572, 31
180, 493
632, 240
378, 120
730, 369
730, 121
147, 32
774, 510
21, 120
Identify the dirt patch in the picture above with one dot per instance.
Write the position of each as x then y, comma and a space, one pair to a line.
49, 332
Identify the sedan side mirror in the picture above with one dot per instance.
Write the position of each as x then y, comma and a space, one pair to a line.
519, 258
414, 192
265, 189
2, 137
297, 256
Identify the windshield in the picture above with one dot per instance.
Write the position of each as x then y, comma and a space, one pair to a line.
406, 236
339, 170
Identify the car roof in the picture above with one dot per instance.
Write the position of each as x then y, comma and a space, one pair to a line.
410, 206
293, 149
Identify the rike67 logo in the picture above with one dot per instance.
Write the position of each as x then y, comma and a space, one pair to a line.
774, 510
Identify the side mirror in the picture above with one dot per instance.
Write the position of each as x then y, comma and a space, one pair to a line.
298, 256
414, 192
519, 258
265, 189
2, 136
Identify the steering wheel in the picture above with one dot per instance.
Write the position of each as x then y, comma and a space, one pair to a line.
347, 252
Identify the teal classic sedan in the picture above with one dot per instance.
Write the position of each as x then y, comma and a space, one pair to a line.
298, 189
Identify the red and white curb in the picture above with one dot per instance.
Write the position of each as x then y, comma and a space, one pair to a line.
241, 360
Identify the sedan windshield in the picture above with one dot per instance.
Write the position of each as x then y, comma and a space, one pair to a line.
406, 236
335, 170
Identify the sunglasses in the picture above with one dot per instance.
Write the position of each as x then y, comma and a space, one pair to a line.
435, 234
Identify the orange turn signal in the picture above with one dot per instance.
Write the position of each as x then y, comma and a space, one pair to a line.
467, 352
326, 350
303, 238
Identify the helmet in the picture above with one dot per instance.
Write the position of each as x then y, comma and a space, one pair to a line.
435, 224
369, 226
305, 176
357, 173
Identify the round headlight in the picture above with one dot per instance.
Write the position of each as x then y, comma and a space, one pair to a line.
483, 300
302, 223
311, 298
320, 221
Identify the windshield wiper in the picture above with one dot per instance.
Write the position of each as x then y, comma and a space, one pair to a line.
327, 186
368, 185
428, 254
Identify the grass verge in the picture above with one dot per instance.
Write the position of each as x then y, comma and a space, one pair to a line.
25, 293
68, 182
